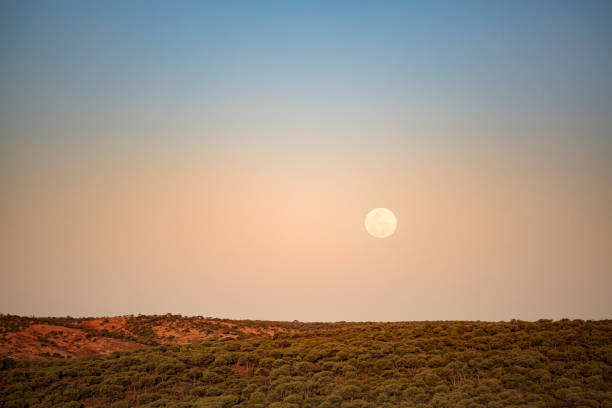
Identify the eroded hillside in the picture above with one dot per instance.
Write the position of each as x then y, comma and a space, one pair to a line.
29, 337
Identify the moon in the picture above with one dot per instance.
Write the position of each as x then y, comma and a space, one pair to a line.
380, 223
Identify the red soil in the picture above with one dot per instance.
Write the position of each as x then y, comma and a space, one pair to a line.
38, 339
112, 324
29, 338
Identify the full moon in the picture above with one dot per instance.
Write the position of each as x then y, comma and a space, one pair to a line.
380, 223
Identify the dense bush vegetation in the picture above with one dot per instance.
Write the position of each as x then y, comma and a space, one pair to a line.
346, 365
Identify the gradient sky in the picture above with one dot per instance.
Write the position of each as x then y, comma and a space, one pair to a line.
219, 158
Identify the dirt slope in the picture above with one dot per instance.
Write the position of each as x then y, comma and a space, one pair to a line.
29, 337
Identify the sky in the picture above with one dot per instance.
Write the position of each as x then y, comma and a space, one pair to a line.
219, 159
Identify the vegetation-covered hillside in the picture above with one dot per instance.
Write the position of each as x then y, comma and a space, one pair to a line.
344, 365
32, 337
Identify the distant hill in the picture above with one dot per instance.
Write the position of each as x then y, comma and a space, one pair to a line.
197, 362
32, 337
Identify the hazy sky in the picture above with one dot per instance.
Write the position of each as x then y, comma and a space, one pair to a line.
219, 158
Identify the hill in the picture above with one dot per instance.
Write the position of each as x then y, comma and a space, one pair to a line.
173, 361
51, 337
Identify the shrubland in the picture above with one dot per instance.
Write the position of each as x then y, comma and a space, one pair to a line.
566, 363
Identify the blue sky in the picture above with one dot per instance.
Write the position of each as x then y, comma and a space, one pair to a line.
533, 62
